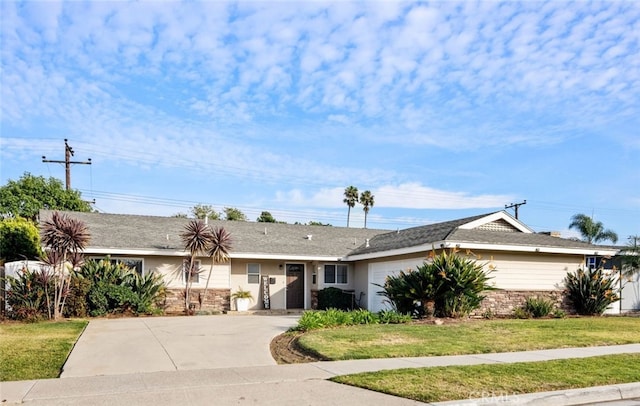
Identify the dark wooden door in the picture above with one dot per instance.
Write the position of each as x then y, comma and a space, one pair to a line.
295, 286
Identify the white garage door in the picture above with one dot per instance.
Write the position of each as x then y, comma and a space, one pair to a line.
377, 274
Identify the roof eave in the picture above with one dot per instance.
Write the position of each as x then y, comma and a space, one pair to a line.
233, 255
600, 251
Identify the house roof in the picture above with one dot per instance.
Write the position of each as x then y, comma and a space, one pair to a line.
153, 235
496, 231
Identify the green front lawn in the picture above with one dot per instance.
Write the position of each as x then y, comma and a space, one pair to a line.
499, 382
469, 337
36, 350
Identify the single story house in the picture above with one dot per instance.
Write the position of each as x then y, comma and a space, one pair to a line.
285, 265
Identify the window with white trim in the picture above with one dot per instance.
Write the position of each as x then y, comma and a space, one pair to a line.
336, 274
195, 270
591, 262
253, 273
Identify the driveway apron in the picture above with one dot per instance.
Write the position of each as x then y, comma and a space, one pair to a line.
154, 344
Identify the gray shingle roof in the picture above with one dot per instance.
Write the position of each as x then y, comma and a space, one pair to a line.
135, 232
524, 239
412, 237
450, 231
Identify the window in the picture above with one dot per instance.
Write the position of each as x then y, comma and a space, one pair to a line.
335, 274
137, 264
591, 262
195, 271
253, 273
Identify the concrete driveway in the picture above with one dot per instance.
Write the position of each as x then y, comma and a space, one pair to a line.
154, 344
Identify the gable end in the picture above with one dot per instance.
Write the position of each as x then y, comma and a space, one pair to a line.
498, 225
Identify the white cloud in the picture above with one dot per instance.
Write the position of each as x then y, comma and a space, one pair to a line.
405, 196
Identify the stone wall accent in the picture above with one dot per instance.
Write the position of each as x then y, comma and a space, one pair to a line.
504, 302
217, 300
314, 299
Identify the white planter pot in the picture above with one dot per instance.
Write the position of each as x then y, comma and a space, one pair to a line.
242, 304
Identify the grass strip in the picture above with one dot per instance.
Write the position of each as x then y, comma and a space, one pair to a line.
36, 350
469, 337
499, 381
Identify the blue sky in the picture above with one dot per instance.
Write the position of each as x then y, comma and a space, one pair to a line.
441, 109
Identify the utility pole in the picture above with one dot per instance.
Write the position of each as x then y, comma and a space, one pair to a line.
515, 206
68, 153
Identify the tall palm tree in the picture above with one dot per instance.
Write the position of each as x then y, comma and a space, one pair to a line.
366, 199
592, 231
350, 198
67, 237
218, 250
196, 238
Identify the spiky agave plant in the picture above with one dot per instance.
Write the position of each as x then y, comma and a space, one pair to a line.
196, 238
68, 237
218, 250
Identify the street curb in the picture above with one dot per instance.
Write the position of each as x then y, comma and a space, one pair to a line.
568, 397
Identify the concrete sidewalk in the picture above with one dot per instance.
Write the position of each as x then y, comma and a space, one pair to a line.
295, 384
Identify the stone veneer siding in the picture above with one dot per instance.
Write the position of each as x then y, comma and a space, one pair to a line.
504, 302
217, 300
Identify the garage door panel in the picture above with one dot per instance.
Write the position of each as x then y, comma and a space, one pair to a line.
378, 272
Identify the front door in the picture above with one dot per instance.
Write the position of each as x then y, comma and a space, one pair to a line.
295, 286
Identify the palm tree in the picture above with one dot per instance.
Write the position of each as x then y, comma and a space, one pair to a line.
631, 256
366, 199
350, 198
197, 238
592, 231
66, 238
218, 250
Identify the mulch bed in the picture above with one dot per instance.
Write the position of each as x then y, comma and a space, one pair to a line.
285, 350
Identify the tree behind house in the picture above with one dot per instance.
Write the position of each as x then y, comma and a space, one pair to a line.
233, 214
266, 217
203, 211
350, 198
30, 194
592, 231
367, 201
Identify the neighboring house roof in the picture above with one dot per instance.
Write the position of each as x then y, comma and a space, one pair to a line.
496, 231
151, 235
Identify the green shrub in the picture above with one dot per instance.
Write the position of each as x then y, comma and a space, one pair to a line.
591, 291
363, 316
76, 305
317, 319
558, 314
397, 293
333, 298
19, 239
393, 317
30, 294
336, 317
521, 313
538, 307
449, 285
115, 288
310, 320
